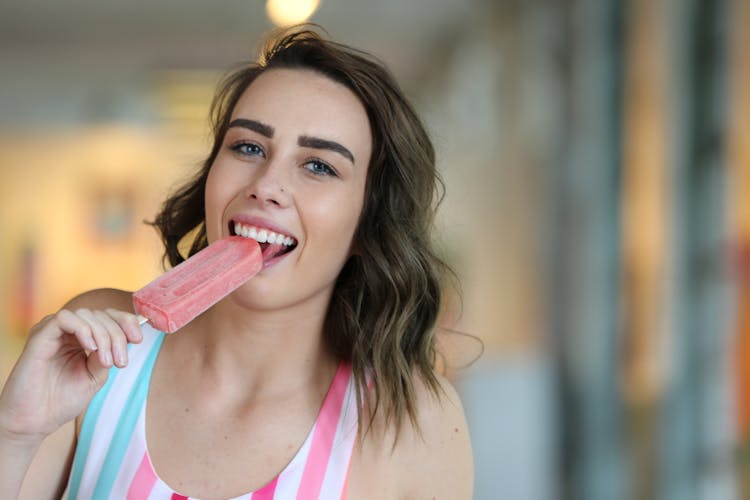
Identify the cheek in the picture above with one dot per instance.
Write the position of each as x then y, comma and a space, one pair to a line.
211, 192
217, 196
336, 221
212, 188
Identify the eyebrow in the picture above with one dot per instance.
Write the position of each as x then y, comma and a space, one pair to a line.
317, 143
303, 140
253, 125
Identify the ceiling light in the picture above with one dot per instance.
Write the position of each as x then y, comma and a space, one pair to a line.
288, 12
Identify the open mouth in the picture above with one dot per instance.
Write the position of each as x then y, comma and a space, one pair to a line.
272, 244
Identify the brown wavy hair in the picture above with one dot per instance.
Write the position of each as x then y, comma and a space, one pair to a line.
387, 297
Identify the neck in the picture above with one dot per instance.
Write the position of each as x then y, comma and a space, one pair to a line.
268, 351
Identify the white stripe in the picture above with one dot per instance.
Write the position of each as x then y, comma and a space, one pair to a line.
343, 444
111, 409
291, 476
160, 491
246, 496
131, 460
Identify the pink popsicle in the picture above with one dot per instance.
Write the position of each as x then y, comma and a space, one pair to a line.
176, 297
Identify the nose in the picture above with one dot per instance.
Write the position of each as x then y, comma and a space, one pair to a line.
268, 187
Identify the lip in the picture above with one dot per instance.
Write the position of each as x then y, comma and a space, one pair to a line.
265, 224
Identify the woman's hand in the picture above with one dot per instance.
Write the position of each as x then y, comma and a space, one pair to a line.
65, 361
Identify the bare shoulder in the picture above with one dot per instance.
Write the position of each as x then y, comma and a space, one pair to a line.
102, 298
436, 456
430, 460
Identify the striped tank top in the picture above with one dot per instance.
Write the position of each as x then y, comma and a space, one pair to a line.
112, 461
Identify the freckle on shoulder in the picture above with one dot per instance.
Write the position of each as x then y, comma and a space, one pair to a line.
441, 415
443, 451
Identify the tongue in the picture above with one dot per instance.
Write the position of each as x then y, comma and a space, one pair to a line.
271, 250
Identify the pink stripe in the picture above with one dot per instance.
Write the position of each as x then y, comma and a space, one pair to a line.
143, 482
325, 431
266, 492
177, 496
346, 484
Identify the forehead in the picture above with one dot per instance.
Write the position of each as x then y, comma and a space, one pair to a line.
301, 101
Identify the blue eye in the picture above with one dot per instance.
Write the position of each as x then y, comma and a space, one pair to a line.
318, 167
247, 149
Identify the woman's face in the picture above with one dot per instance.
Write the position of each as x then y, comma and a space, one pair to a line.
292, 170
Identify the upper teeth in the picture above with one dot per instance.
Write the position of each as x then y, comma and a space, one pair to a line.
262, 235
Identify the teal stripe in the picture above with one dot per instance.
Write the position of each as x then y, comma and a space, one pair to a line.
126, 424
87, 431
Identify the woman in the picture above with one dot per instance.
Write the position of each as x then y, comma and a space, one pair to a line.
314, 379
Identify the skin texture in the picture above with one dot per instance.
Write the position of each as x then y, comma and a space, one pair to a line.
234, 393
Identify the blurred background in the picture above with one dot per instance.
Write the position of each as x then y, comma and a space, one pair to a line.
597, 164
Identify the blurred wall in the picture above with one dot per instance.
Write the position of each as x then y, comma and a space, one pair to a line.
603, 259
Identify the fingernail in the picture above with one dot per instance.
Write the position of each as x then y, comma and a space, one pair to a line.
121, 357
107, 358
91, 345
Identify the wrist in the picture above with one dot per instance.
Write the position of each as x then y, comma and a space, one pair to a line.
19, 442
13, 438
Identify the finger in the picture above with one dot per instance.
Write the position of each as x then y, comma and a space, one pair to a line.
68, 322
98, 371
129, 324
101, 336
41, 324
117, 338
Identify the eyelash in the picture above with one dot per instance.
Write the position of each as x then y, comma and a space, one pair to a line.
240, 147
327, 169
310, 165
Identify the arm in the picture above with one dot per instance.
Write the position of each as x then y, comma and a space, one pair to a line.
47, 475
65, 361
15, 459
